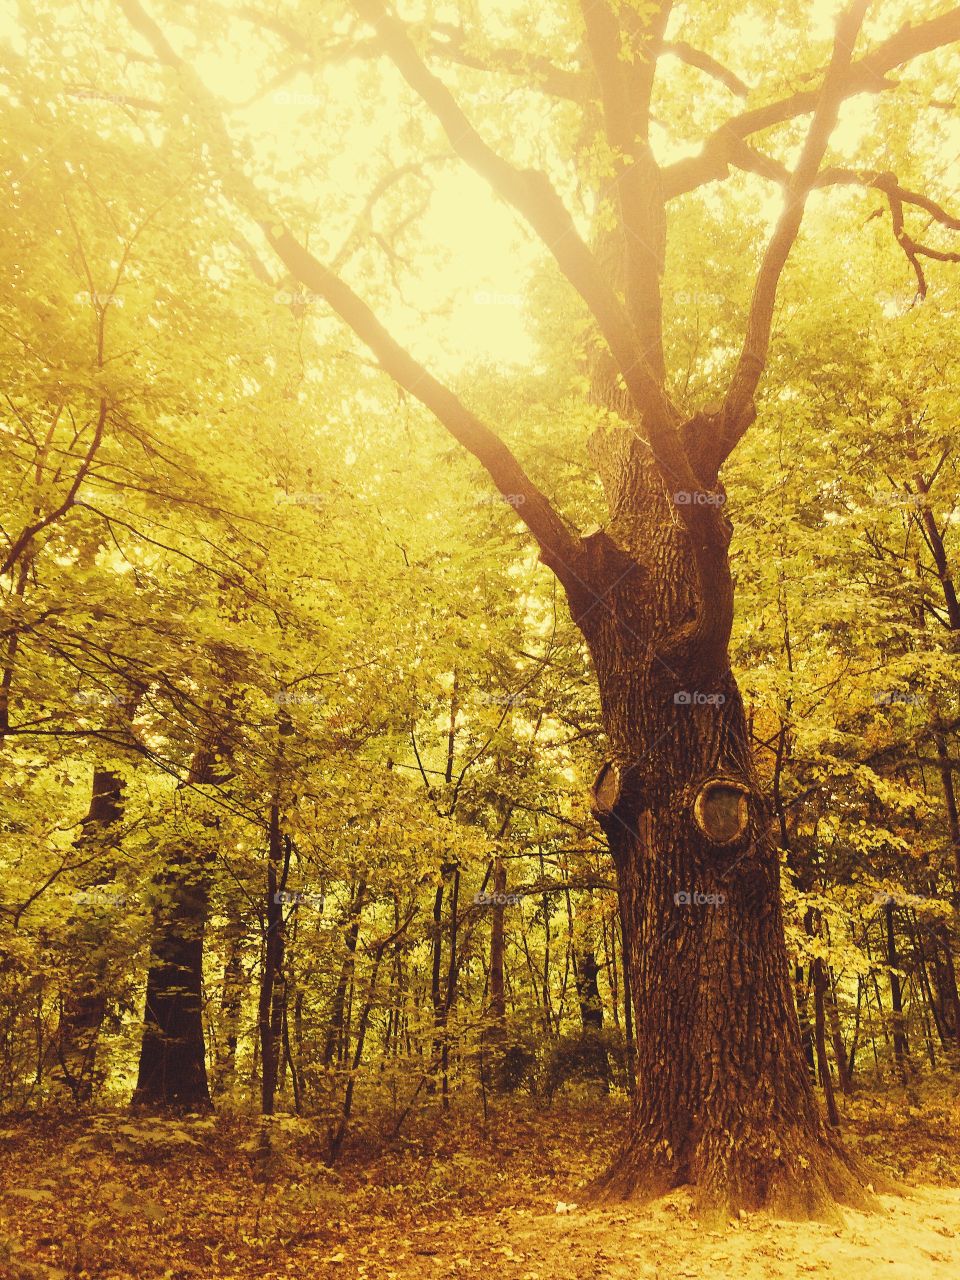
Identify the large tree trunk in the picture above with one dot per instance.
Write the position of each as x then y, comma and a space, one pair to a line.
724, 1099
173, 1071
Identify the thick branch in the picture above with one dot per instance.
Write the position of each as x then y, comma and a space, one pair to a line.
705, 63
625, 93
560, 548
537, 71
531, 194
738, 407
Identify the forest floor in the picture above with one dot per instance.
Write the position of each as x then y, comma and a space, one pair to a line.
114, 1197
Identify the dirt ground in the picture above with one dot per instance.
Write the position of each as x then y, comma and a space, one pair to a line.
112, 1197
916, 1239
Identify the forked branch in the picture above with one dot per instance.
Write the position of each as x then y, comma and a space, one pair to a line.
532, 194
869, 74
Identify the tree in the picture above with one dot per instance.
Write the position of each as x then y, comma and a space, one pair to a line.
724, 1099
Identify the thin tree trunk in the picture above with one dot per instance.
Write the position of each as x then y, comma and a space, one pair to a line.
494, 1032
855, 1038
333, 1043
901, 1048
591, 1015
819, 990
836, 1038
451, 996
173, 1071
83, 1001
231, 1004
271, 1003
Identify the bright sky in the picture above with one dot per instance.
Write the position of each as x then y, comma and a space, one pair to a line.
484, 253
479, 254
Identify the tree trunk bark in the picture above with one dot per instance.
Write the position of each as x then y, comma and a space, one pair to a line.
628, 1032
173, 1072
724, 1099
901, 1047
270, 1005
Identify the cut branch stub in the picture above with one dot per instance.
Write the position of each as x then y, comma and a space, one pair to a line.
721, 810
606, 790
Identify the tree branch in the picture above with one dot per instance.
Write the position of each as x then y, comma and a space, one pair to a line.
704, 62
738, 407
866, 75
559, 547
897, 197
531, 194
31, 530
625, 92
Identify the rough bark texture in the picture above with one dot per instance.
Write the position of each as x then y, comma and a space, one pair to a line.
272, 987
173, 1071
724, 1099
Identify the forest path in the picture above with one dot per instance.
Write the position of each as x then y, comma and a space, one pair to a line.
916, 1237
